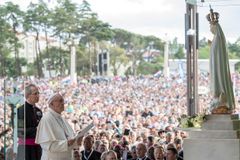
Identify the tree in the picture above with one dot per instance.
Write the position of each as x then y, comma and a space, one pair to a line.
10, 69
70, 30
234, 49
136, 45
148, 68
180, 53
33, 23
6, 37
82, 60
203, 42
117, 58
59, 59
15, 17
94, 30
204, 52
121, 37
66, 12
158, 44
46, 24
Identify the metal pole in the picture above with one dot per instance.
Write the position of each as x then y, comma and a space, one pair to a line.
188, 49
15, 127
191, 31
5, 111
195, 60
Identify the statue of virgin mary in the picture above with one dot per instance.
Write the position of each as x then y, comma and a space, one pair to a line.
221, 85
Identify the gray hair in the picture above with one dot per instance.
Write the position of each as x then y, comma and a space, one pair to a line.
28, 89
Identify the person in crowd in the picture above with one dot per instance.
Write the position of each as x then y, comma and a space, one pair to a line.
150, 153
29, 116
141, 152
169, 138
119, 151
150, 141
89, 153
183, 134
170, 145
161, 134
113, 143
172, 154
54, 134
147, 113
102, 148
96, 144
109, 155
133, 153
178, 144
159, 153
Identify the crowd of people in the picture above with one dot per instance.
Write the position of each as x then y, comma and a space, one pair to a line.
133, 116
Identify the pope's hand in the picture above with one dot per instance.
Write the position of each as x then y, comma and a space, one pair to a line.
71, 141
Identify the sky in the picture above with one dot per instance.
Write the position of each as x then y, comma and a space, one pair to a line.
161, 18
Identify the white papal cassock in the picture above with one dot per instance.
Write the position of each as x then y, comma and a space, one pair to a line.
52, 134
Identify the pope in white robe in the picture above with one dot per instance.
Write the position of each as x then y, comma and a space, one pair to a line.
54, 134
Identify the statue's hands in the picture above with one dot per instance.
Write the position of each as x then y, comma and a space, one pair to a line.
209, 42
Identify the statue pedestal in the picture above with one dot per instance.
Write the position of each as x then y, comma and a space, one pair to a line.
217, 140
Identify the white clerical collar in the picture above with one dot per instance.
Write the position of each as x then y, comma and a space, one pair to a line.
54, 113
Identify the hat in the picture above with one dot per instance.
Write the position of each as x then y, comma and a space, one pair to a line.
50, 100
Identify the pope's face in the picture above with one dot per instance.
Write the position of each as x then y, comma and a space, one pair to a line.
58, 104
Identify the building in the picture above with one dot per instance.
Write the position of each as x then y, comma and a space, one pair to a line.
29, 44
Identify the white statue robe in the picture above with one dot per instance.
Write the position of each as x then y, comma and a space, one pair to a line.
220, 78
52, 134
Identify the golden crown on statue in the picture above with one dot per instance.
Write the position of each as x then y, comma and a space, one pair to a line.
212, 17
